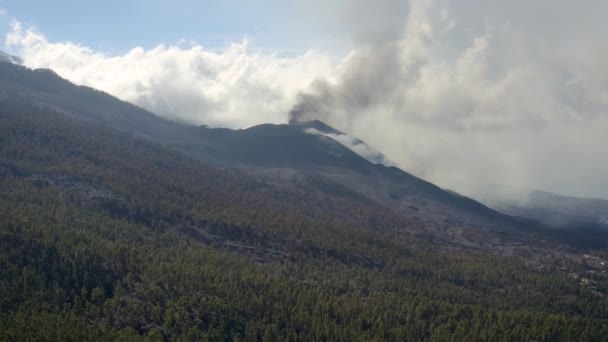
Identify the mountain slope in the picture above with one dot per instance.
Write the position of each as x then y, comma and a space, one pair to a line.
269, 151
5, 57
114, 229
559, 211
105, 235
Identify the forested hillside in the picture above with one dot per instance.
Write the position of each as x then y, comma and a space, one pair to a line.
290, 155
107, 236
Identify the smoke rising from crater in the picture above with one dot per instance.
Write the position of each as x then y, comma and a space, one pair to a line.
480, 95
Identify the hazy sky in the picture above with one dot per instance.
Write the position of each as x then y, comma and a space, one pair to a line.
468, 94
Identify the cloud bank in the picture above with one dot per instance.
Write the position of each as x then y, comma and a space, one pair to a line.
473, 96
235, 87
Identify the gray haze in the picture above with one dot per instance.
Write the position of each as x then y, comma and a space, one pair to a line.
477, 93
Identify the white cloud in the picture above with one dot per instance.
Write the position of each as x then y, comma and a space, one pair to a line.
235, 87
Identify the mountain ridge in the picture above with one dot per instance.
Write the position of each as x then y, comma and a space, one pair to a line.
558, 210
267, 147
5, 57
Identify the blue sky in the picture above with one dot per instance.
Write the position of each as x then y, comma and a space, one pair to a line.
117, 26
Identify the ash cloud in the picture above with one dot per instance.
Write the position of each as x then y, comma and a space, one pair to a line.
473, 94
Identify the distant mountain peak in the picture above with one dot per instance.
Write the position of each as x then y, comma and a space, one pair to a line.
5, 57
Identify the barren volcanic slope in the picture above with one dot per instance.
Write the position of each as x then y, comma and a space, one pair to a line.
119, 224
